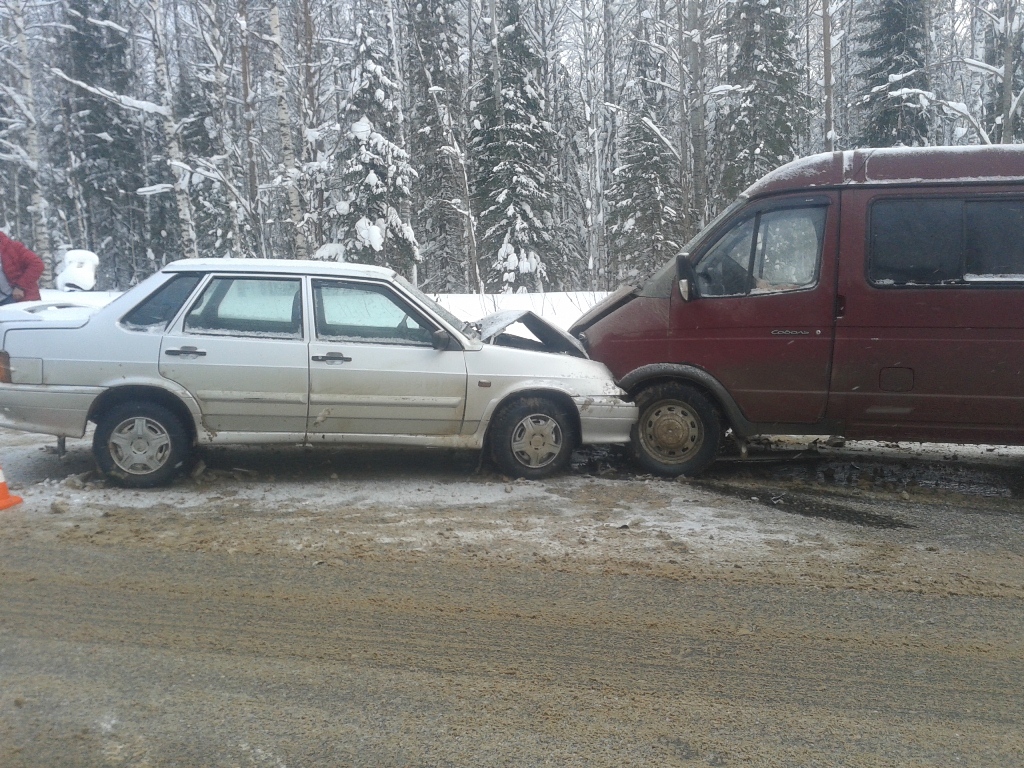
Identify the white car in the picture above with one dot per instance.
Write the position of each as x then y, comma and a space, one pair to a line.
245, 351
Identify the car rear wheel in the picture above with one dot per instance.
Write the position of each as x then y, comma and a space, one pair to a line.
140, 444
679, 430
532, 437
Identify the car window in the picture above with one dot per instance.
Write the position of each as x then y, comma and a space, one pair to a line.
366, 313
159, 308
769, 252
248, 306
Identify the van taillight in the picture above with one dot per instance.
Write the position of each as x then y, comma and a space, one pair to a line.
5, 367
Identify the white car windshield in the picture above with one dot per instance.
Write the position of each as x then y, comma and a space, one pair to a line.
463, 325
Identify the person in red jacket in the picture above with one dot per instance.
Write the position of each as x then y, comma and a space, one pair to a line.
20, 269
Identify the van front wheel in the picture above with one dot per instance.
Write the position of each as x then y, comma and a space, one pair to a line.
678, 432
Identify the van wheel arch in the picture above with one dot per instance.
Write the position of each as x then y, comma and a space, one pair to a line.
681, 373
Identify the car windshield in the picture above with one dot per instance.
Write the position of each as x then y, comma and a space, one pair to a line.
463, 325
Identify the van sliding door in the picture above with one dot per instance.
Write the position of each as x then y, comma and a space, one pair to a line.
930, 343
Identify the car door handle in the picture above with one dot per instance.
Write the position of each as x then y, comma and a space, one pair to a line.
185, 351
332, 357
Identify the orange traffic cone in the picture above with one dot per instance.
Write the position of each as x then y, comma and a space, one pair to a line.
6, 500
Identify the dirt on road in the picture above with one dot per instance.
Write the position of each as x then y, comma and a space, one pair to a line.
807, 606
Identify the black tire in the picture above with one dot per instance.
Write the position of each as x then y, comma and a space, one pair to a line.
679, 430
140, 444
532, 437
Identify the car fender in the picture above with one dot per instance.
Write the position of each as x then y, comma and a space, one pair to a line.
113, 387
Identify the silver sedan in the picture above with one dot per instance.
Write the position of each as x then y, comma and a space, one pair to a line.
225, 351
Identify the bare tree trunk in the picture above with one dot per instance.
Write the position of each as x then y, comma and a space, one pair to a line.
1009, 65
685, 189
826, 42
595, 197
175, 157
40, 231
496, 65
288, 153
249, 129
698, 130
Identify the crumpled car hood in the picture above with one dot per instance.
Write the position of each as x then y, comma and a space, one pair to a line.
553, 338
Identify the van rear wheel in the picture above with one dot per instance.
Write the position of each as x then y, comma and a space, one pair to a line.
679, 430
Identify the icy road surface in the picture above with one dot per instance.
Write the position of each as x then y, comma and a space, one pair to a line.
857, 606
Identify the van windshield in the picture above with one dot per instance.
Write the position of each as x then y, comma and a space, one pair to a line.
659, 285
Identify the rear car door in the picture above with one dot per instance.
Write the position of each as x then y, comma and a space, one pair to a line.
241, 350
373, 368
763, 318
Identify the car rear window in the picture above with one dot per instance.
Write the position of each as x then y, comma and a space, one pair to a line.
157, 310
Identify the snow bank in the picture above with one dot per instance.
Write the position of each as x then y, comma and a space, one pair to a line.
558, 308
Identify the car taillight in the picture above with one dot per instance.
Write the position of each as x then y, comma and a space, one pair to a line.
5, 367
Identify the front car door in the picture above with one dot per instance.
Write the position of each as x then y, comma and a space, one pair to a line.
762, 319
240, 349
374, 372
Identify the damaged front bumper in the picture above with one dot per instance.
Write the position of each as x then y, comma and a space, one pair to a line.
605, 419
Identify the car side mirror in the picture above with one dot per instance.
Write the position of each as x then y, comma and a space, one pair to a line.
687, 278
440, 339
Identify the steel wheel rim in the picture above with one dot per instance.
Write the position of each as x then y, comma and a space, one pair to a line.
671, 432
536, 440
140, 445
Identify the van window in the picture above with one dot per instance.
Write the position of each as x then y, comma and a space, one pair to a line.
916, 241
947, 241
995, 240
772, 251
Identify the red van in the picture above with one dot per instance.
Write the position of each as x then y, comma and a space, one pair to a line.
875, 294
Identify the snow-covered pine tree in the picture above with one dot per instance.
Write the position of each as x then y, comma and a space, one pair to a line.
510, 140
895, 48
102, 145
760, 123
646, 219
436, 144
376, 174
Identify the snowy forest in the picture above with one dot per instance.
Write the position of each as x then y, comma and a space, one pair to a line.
471, 145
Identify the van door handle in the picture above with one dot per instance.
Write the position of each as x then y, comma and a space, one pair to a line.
332, 357
185, 351
840, 305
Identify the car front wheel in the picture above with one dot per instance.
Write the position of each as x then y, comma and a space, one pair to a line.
679, 430
140, 444
532, 437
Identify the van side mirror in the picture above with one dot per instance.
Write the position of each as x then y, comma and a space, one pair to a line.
440, 339
687, 278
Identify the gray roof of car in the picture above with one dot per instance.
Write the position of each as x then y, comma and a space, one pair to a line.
278, 266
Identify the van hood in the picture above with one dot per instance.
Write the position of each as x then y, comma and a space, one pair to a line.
603, 308
552, 338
